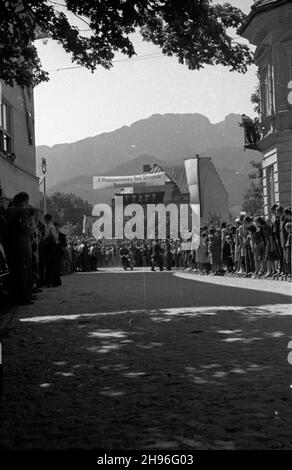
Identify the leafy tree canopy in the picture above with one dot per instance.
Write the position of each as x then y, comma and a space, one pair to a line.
256, 96
67, 208
195, 31
253, 200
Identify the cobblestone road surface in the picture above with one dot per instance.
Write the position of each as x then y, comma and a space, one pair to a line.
149, 361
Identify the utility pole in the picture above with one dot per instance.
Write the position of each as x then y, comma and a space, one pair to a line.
44, 170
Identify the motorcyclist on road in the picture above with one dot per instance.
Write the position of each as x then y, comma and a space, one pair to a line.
125, 257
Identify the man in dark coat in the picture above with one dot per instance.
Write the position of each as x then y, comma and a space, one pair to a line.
157, 256
168, 256
19, 250
61, 248
250, 130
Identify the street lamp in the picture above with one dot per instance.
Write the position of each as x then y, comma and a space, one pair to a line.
44, 170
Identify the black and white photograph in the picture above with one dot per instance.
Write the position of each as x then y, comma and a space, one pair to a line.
145, 232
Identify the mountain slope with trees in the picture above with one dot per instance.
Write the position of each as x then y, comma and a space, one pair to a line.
68, 209
236, 183
169, 137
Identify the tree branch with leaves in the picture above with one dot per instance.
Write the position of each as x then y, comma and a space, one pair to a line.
194, 31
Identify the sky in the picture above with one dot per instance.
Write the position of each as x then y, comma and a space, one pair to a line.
76, 104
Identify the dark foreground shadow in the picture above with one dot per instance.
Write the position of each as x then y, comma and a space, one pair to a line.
210, 372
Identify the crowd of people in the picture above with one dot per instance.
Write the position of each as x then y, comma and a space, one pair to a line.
249, 247
35, 254
87, 254
252, 129
31, 251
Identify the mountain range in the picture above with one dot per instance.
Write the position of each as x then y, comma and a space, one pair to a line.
163, 139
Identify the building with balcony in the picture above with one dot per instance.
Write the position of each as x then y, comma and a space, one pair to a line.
17, 144
269, 28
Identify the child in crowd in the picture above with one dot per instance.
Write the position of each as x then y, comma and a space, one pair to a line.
214, 250
203, 260
258, 249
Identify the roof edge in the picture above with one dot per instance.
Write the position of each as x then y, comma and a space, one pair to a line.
256, 9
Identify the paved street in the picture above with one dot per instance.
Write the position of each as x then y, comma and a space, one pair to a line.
118, 360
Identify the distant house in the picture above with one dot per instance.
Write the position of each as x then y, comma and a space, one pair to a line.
213, 195
17, 143
269, 27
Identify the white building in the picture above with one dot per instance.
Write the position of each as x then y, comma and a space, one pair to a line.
269, 27
17, 144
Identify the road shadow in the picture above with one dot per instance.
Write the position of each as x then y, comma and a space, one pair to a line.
211, 374
147, 291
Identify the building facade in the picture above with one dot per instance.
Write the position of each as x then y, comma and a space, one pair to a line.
17, 144
213, 195
269, 28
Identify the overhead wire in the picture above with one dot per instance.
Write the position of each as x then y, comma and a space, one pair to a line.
75, 14
142, 57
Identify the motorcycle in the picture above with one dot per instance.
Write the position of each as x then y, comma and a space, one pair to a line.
126, 262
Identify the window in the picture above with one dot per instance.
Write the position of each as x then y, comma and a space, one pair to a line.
5, 129
270, 178
266, 87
